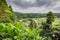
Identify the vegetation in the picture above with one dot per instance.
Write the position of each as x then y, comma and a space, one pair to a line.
34, 15
17, 31
29, 15
6, 13
33, 27
50, 18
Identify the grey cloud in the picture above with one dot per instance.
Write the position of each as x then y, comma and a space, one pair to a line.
22, 6
38, 3
41, 3
57, 9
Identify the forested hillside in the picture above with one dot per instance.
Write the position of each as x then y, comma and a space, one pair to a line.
34, 15
29, 15
6, 12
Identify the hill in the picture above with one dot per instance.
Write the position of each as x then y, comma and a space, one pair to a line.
34, 15
29, 15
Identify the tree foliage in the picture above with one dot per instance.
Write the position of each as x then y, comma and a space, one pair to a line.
6, 12
50, 17
17, 31
46, 31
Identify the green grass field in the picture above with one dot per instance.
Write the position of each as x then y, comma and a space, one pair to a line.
56, 22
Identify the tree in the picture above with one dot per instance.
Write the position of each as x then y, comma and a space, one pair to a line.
6, 12
46, 26
10, 8
50, 18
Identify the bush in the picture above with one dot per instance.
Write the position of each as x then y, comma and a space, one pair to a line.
17, 31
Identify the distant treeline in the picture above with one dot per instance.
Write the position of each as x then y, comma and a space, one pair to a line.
57, 15
29, 15
34, 15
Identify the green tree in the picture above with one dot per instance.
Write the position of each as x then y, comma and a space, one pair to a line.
50, 18
47, 26
6, 12
10, 8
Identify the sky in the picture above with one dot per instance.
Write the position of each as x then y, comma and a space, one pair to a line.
35, 6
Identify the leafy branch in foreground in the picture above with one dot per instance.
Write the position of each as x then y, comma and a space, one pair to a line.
17, 31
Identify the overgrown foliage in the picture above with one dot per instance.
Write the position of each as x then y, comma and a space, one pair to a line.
46, 30
12, 30
17, 31
50, 18
6, 13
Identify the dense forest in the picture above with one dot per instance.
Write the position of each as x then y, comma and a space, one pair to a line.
34, 15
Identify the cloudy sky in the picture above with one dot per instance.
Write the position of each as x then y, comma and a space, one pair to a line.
35, 6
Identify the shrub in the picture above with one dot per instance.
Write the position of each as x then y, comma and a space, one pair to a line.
17, 31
